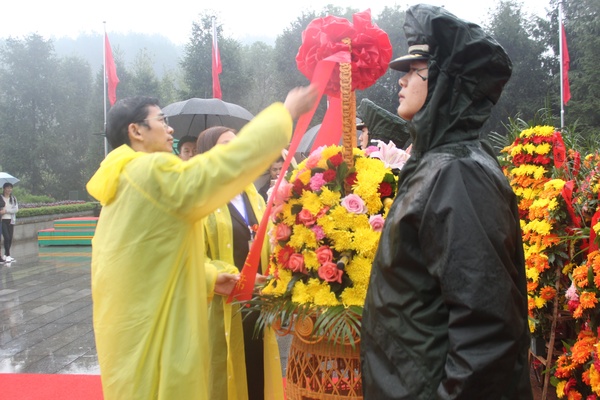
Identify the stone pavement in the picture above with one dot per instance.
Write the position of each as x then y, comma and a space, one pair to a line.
46, 312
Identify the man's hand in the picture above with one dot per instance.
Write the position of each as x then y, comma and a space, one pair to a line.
225, 283
300, 100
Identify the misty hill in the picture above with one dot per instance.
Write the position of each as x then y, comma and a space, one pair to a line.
164, 53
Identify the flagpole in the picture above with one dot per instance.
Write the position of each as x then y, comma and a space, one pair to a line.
104, 86
560, 41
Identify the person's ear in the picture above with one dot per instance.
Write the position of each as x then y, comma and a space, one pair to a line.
133, 131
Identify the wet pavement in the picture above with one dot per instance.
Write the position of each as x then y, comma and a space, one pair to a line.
46, 312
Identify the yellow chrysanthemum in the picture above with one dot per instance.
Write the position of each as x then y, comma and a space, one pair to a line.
543, 148
560, 389
329, 198
556, 184
310, 260
302, 236
311, 201
359, 270
539, 302
354, 296
304, 176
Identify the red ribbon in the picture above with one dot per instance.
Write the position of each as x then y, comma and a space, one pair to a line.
593, 244
245, 286
330, 131
558, 149
567, 195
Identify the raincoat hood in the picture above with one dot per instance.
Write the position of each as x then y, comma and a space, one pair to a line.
467, 72
104, 183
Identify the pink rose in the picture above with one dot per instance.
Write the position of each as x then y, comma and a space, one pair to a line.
277, 213
329, 272
306, 218
376, 222
283, 193
324, 254
296, 263
354, 204
314, 157
316, 181
282, 232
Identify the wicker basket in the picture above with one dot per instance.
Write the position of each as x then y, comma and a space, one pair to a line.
319, 368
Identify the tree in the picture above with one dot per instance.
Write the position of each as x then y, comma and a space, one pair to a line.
582, 26
197, 64
526, 91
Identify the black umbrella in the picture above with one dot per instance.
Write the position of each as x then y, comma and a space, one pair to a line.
192, 116
307, 141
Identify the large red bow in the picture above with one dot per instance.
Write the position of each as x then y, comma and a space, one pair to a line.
371, 49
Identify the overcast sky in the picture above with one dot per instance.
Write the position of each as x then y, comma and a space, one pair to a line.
173, 18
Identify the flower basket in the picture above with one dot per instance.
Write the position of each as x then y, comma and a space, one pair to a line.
327, 218
319, 368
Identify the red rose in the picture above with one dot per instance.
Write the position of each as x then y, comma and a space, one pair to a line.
329, 272
329, 175
351, 179
385, 189
324, 254
298, 187
337, 159
306, 218
296, 263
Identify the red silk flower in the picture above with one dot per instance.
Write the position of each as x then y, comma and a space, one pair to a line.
371, 49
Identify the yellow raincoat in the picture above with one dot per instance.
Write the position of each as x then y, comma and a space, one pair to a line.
228, 371
150, 284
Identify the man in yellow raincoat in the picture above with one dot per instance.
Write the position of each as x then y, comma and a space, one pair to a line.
150, 284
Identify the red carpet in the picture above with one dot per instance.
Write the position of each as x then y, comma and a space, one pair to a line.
50, 387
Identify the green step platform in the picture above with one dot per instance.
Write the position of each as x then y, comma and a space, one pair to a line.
69, 232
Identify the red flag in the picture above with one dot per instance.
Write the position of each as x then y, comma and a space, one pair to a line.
216, 64
566, 61
111, 71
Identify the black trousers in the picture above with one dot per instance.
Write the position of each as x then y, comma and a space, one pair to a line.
255, 362
7, 234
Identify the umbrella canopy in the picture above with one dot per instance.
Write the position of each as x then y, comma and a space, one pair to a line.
192, 116
307, 140
4, 178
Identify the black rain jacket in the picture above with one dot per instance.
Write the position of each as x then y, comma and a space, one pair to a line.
446, 310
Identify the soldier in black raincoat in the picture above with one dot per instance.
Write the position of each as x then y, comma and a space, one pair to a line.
446, 310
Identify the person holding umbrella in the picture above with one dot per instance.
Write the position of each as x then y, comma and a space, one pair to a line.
11, 206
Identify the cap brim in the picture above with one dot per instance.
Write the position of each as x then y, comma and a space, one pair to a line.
403, 63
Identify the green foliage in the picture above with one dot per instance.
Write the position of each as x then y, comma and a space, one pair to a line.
70, 208
23, 196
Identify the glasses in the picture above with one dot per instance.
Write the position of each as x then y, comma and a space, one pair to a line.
161, 118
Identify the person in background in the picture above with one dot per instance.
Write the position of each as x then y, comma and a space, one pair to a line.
229, 232
186, 147
274, 171
2, 212
151, 282
363, 134
8, 218
445, 315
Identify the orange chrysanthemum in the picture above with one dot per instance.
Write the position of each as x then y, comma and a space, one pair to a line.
547, 293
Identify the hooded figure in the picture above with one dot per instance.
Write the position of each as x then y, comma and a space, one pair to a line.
446, 311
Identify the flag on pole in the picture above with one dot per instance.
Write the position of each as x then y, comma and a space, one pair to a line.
566, 61
216, 63
111, 71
